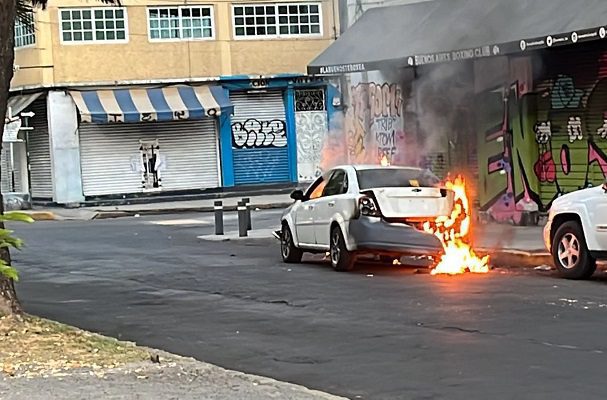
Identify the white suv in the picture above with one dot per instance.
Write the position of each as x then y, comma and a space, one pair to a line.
576, 232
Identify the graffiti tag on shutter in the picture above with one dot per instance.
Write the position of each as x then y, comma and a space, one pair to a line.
254, 133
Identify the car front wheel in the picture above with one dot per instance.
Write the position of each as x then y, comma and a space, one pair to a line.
571, 256
290, 253
341, 258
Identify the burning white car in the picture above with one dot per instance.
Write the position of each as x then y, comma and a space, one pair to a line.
354, 209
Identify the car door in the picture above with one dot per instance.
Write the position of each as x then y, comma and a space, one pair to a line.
327, 205
304, 216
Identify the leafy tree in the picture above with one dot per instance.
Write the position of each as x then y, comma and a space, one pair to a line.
10, 11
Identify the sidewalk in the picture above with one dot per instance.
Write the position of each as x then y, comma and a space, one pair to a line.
173, 378
509, 245
102, 212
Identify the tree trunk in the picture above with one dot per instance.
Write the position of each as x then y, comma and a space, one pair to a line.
9, 304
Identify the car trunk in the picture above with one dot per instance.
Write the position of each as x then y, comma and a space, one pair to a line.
413, 202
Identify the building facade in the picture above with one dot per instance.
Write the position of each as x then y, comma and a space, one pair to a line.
154, 97
517, 107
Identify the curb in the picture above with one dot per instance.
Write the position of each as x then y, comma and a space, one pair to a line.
160, 211
41, 215
516, 258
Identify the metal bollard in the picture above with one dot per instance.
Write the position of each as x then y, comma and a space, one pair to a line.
242, 219
218, 208
247, 203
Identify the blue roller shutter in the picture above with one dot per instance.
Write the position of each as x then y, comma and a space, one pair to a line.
259, 137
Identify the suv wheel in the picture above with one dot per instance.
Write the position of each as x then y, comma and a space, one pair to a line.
570, 254
290, 253
341, 258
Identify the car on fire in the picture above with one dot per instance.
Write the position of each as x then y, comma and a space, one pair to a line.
576, 232
355, 210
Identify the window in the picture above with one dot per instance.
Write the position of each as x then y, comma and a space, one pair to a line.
277, 20
337, 184
395, 177
315, 190
310, 100
93, 25
24, 31
174, 23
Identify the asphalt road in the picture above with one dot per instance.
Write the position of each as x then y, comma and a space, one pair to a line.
376, 333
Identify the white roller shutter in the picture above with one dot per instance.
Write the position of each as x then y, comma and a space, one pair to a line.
108, 153
261, 155
38, 146
19, 165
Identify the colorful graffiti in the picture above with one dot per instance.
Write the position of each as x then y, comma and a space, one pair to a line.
374, 123
539, 146
506, 190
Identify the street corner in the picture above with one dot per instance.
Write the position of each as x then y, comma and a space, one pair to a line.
235, 235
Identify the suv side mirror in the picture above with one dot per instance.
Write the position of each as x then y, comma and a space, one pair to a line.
297, 195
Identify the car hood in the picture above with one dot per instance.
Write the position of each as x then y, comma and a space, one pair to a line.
577, 196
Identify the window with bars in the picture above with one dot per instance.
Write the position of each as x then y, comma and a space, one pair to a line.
310, 100
180, 23
24, 31
93, 25
277, 20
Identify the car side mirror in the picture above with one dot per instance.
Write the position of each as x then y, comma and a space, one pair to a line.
605, 186
297, 195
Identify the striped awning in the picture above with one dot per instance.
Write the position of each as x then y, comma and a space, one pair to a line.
18, 103
170, 103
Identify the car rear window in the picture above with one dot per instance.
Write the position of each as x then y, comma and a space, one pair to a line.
394, 177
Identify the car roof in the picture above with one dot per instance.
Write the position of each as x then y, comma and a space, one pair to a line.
362, 167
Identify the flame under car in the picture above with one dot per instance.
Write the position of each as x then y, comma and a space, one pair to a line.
356, 210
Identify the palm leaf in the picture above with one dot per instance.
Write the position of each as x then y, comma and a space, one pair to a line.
24, 11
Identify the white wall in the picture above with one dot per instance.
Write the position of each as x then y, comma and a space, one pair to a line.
65, 148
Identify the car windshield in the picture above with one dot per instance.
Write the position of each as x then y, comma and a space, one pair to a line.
395, 177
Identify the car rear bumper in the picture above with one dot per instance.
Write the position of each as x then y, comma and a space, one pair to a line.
376, 235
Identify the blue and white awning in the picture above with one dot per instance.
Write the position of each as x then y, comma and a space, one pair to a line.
147, 105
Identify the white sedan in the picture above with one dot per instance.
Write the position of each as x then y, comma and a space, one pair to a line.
354, 209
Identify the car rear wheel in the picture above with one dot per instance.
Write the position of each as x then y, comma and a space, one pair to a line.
341, 258
571, 256
290, 252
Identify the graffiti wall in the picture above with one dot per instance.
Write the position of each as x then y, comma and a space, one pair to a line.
373, 123
571, 135
507, 187
539, 140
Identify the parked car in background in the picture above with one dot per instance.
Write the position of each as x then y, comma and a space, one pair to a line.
576, 232
353, 210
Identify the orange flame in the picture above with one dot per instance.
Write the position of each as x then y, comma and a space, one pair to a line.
384, 161
454, 233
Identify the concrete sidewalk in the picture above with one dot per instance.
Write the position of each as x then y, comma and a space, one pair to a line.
509, 245
174, 378
103, 212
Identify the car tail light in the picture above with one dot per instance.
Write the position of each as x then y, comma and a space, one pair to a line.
368, 207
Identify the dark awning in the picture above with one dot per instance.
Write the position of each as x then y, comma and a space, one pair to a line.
449, 30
